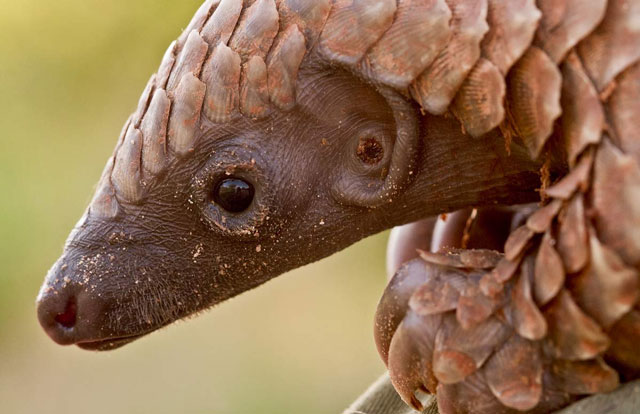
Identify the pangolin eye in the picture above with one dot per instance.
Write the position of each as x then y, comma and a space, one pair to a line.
233, 194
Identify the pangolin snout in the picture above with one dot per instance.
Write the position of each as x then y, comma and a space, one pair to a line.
65, 310
58, 315
101, 295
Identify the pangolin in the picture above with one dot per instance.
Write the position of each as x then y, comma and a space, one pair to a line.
277, 132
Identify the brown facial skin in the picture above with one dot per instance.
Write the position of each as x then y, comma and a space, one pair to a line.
177, 252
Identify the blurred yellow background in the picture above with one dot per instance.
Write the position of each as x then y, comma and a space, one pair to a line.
70, 73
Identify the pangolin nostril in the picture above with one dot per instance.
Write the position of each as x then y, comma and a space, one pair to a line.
67, 319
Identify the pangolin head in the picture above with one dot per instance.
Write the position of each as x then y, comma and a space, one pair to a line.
273, 134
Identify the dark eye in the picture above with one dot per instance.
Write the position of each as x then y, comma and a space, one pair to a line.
233, 194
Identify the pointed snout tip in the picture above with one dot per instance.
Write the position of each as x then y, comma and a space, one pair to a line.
57, 316
57, 307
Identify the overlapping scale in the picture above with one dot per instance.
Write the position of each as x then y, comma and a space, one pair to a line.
479, 103
625, 111
514, 374
512, 25
154, 132
420, 30
565, 22
549, 276
353, 27
573, 237
256, 29
221, 74
309, 15
190, 59
127, 175
613, 45
436, 87
534, 87
583, 118
185, 114
254, 92
524, 314
616, 191
282, 67
220, 25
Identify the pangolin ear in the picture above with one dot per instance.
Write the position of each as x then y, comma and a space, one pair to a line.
381, 161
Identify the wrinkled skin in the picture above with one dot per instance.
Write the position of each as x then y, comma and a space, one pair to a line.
176, 252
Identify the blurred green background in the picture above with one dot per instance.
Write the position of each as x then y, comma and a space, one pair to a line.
70, 73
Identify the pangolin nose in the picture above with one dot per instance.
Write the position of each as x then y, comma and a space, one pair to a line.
58, 314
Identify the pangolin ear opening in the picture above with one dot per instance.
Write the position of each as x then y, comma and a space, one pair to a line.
381, 161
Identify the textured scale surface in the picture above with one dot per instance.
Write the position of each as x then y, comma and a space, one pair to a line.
529, 329
436, 87
567, 286
420, 30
